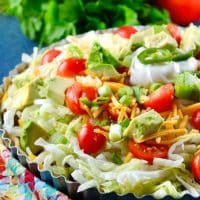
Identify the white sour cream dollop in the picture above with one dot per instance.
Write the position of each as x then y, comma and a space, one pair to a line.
144, 75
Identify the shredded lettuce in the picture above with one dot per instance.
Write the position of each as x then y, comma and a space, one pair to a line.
128, 177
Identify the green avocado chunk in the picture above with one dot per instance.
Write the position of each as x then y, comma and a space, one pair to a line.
139, 36
144, 125
105, 71
99, 55
191, 38
187, 86
25, 95
31, 132
56, 88
160, 40
102, 64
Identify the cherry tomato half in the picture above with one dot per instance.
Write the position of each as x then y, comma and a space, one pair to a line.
147, 152
196, 119
75, 92
161, 99
71, 67
196, 166
90, 141
122, 69
126, 31
49, 56
174, 32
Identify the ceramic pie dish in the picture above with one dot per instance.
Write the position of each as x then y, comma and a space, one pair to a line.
100, 116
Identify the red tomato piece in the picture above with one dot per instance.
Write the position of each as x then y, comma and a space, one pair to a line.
89, 141
147, 152
174, 32
196, 119
74, 93
182, 12
161, 99
126, 31
49, 56
122, 69
196, 166
112, 114
71, 67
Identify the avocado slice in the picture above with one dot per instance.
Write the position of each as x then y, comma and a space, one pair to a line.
56, 88
31, 132
139, 37
144, 125
105, 71
160, 40
191, 38
25, 95
99, 55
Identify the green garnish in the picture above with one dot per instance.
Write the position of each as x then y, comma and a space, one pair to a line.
155, 55
125, 100
50, 21
116, 158
125, 91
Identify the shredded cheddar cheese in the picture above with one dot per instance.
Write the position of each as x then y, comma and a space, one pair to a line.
175, 111
191, 108
100, 131
128, 157
115, 86
20, 122
174, 132
184, 122
122, 114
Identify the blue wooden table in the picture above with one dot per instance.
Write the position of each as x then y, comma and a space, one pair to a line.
12, 44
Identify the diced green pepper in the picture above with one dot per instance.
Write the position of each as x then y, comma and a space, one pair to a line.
187, 86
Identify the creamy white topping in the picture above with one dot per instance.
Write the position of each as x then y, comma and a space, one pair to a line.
144, 75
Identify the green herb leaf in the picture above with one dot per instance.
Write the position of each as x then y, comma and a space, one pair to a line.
48, 21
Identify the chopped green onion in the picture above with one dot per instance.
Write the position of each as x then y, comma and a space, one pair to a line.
126, 100
101, 100
154, 86
139, 92
104, 122
116, 158
125, 91
124, 124
95, 108
115, 133
86, 101
105, 91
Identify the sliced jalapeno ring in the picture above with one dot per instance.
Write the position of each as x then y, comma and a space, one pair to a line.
182, 56
155, 55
